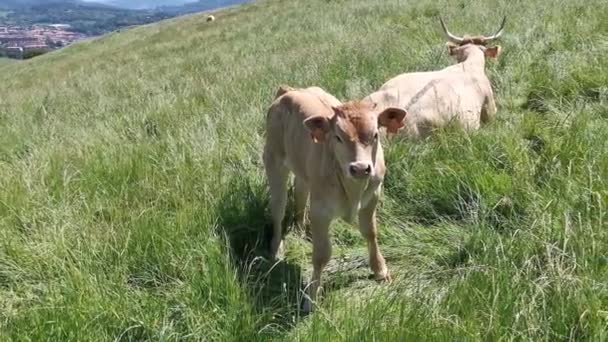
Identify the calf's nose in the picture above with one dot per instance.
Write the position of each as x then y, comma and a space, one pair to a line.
360, 170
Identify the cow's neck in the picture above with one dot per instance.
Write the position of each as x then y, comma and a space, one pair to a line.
475, 60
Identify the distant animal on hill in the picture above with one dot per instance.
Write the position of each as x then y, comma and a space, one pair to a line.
210, 18
461, 92
337, 159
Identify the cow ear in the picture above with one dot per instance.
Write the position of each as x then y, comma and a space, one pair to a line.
338, 111
493, 52
451, 48
318, 127
393, 119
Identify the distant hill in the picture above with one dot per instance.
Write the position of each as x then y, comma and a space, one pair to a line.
15, 4
180, 6
202, 5
96, 18
87, 18
146, 4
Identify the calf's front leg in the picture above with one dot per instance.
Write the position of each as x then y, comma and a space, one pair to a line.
369, 230
320, 221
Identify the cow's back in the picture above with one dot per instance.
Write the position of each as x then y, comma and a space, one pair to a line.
433, 99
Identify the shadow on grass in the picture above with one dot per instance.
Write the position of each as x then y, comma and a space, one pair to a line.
275, 288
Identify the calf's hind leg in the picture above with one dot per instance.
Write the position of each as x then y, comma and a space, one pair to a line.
301, 198
277, 175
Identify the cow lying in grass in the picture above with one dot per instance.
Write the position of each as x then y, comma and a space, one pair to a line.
334, 152
461, 92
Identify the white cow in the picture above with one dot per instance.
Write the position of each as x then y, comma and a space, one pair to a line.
461, 92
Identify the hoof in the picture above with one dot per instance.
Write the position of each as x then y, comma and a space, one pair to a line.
307, 306
277, 250
308, 234
383, 277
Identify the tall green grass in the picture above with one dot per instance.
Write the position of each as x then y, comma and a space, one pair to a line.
133, 204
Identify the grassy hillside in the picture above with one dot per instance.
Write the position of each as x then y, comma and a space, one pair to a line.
133, 204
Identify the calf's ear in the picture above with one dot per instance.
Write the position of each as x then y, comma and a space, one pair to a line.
493, 52
318, 127
283, 89
393, 119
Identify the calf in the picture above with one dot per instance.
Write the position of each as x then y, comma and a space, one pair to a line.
334, 153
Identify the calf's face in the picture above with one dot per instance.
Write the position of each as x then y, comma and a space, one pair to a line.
352, 135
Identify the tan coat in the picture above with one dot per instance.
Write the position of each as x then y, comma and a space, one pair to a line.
334, 152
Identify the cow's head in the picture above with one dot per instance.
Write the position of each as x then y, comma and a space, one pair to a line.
352, 134
461, 47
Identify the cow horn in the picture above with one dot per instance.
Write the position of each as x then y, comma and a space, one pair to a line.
499, 32
451, 37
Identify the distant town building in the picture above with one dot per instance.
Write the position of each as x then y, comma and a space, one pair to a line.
24, 42
13, 52
60, 26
